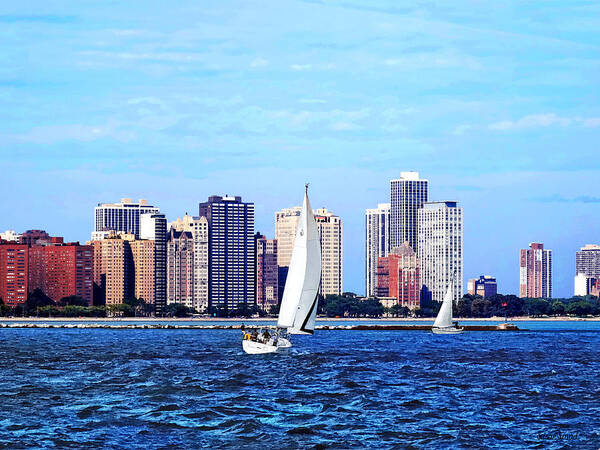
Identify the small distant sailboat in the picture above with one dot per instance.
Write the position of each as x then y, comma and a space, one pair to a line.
298, 311
443, 322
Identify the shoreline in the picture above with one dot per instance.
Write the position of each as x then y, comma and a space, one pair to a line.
382, 320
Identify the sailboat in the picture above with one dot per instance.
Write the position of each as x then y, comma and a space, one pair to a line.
443, 322
298, 311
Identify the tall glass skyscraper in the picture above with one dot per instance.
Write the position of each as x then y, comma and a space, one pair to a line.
153, 226
407, 195
536, 271
440, 242
377, 243
231, 249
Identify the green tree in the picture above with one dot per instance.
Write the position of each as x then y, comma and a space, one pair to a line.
72, 300
5, 310
462, 308
371, 307
37, 299
477, 307
75, 311
177, 310
136, 304
558, 308
48, 311
536, 307
119, 310
580, 308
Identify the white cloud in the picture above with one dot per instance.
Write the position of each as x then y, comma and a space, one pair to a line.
543, 120
592, 122
301, 66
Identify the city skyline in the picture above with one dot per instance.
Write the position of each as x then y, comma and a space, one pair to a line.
171, 106
176, 221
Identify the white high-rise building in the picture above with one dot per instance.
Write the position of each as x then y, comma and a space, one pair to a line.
587, 261
286, 222
331, 234
197, 293
122, 217
377, 231
440, 248
587, 269
407, 195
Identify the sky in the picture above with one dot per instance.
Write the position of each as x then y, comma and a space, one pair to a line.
497, 104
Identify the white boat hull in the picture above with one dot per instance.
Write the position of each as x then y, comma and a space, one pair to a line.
447, 330
258, 348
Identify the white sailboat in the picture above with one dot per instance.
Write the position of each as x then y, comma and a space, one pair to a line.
443, 322
298, 310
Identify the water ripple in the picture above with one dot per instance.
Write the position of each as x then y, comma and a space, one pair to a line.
338, 389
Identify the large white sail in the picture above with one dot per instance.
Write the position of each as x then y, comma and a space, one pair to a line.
444, 317
299, 304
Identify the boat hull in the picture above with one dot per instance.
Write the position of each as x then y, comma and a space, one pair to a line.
258, 348
447, 330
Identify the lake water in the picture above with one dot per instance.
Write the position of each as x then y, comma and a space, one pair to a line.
337, 389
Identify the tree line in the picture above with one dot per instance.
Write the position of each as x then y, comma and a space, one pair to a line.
346, 305
38, 304
513, 306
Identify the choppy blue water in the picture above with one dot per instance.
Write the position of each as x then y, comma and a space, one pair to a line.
338, 389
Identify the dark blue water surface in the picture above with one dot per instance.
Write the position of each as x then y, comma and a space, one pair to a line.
337, 389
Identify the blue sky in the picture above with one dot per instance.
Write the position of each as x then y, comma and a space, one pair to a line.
496, 103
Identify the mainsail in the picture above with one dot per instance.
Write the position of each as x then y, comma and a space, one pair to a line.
444, 317
299, 304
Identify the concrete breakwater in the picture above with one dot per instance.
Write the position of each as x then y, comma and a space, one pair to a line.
160, 326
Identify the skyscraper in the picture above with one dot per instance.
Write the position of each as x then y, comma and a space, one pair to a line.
198, 229
331, 234
153, 227
266, 272
377, 231
407, 195
67, 270
587, 261
231, 252
13, 273
587, 270
144, 269
122, 217
286, 222
113, 269
440, 242
180, 267
536, 271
